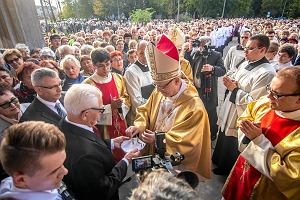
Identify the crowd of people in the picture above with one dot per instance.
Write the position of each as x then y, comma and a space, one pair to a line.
66, 108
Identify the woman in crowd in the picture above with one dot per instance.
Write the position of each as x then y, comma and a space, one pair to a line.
71, 67
54, 66
6, 80
87, 66
117, 62
132, 44
13, 57
113, 40
24, 90
120, 45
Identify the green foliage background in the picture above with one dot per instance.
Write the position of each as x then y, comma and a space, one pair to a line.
168, 8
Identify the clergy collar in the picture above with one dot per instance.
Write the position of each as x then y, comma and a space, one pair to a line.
295, 115
252, 65
239, 47
143, 67
100, 79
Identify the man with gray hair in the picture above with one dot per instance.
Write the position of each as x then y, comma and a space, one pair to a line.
46, 105
92, 168
65, 50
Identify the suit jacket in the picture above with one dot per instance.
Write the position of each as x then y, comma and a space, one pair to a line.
92, 168
297, 60
37, 111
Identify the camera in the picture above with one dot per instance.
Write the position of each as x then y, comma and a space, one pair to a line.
196, 43
142, 163
161, 160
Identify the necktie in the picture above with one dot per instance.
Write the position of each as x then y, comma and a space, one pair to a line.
60, 111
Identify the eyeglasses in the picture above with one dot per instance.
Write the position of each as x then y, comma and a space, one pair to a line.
251, 49
163, 87
53, 86
103, 64
277, 96
244, 37
101, 110
13, 60
13, 100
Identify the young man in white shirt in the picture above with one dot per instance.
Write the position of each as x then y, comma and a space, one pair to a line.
33, 153
286, 54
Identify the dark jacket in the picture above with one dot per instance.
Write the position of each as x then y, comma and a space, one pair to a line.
297, 60
93, 173
68, 82
215, 59
37, 111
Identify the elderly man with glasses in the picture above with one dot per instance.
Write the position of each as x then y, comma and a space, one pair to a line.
93, 171
115, 97
175, 108
246, 85
46, 105
269, 137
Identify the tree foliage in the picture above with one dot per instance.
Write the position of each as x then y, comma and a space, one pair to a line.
68, 10
142, 16
294, 9
168, 8
272, 6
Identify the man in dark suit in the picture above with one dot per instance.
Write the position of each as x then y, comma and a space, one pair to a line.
93, 172
297, 57
46, 106
207, 66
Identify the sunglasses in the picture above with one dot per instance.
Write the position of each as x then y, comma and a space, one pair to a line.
13, 100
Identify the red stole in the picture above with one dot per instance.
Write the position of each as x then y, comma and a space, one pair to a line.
244, 176
118, 127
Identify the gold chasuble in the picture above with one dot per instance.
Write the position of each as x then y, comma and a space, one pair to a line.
269, 166
187, 132
186, 68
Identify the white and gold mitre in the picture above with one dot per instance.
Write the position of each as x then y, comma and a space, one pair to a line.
176, 36
163, 60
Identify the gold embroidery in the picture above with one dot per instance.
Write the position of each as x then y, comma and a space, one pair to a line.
245, 167
117, 124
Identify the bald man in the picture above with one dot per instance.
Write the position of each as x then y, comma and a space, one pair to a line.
138, 79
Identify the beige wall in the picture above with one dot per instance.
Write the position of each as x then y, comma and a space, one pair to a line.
19, 24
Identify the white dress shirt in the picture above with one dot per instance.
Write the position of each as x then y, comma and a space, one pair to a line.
51, 105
